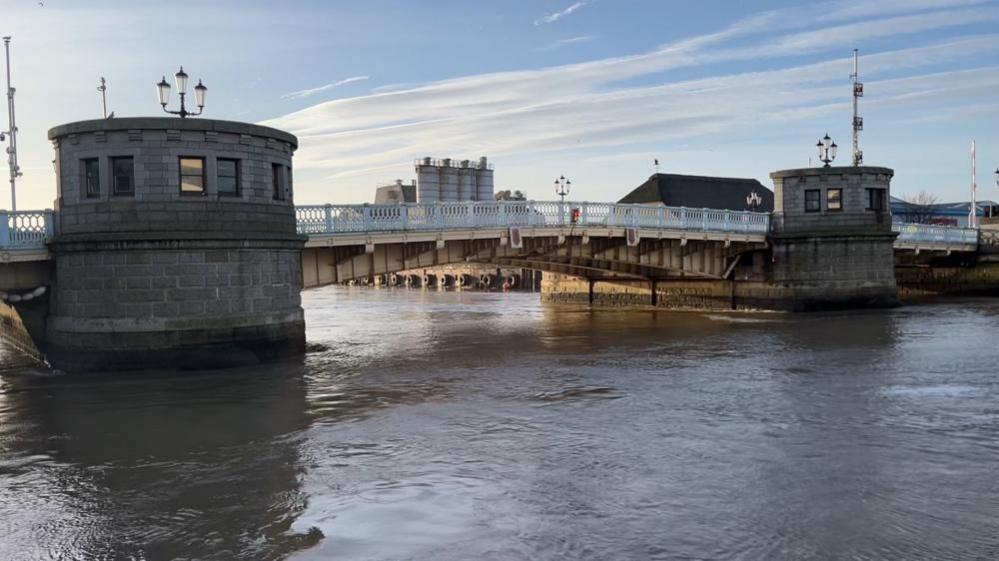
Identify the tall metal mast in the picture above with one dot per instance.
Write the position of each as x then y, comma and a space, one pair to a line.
858, 121
15, 170
104, 98
973, 213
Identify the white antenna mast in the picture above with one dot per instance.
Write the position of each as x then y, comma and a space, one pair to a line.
858, 121
973, 213
104, 98
15, 170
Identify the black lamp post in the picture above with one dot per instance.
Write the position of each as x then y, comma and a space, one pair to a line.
997, 183
827, 150
562, 186
163, 89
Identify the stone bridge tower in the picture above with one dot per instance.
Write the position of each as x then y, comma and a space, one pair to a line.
175, 245
831, 238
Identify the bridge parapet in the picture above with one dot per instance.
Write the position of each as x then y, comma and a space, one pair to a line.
932, 237
23, 235
334, 219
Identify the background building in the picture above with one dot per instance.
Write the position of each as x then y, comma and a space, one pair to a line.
943, 214
696, 191
396, 193
449, 180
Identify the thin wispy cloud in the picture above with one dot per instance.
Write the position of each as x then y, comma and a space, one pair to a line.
566, 42
320, 89
555, 16
621, 103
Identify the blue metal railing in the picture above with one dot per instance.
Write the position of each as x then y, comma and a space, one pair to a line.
26, 229
927, 233
29, 230
337, 219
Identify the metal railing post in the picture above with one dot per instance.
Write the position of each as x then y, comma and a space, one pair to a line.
328, 216
531, 213
366, 218
403, 217
584, 214
4, 228
683, 218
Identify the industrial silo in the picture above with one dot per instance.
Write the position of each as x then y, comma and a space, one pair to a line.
484, 181
427, 181
467, 184
448, 181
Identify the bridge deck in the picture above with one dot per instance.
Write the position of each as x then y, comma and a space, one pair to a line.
23, 234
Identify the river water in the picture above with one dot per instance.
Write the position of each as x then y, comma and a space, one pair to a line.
454, 426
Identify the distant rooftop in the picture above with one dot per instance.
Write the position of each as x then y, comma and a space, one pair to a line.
698, 191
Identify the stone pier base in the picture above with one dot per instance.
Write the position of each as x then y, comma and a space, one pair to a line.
190, 304
955, 279
707, 294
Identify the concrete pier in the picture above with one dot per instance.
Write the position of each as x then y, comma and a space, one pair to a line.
831, 239
175, 244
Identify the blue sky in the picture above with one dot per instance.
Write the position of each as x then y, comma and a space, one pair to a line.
592, 89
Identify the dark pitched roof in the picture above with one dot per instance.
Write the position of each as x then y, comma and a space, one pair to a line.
697, 191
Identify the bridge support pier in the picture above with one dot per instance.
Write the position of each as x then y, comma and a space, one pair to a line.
175, 246
831, 239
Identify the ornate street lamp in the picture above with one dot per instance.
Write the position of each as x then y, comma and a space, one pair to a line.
827, 150
562, 186
163, 89
753, 201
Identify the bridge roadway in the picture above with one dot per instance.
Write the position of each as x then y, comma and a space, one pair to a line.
578, 238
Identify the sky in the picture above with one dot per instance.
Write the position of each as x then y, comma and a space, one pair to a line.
593, 89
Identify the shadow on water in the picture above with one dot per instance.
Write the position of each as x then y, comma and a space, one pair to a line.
160, 466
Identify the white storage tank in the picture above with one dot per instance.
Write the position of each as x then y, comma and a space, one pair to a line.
467, 184
448, 181
427, 182
484, 181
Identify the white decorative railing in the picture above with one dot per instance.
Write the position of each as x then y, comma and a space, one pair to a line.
927, 233
336, 219
26, 229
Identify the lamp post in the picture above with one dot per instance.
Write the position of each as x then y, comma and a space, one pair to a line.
562, 186
163, 89
827, 150
753, 201
997, 184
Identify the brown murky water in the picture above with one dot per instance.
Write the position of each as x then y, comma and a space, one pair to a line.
452, 426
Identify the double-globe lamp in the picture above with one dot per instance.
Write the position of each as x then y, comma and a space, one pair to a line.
163, 89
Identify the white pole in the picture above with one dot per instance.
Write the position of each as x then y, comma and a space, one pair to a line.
15, 170
973, 213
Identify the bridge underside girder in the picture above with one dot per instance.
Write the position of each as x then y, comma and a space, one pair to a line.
577, 255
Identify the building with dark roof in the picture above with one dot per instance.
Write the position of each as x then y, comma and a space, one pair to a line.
697, 191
